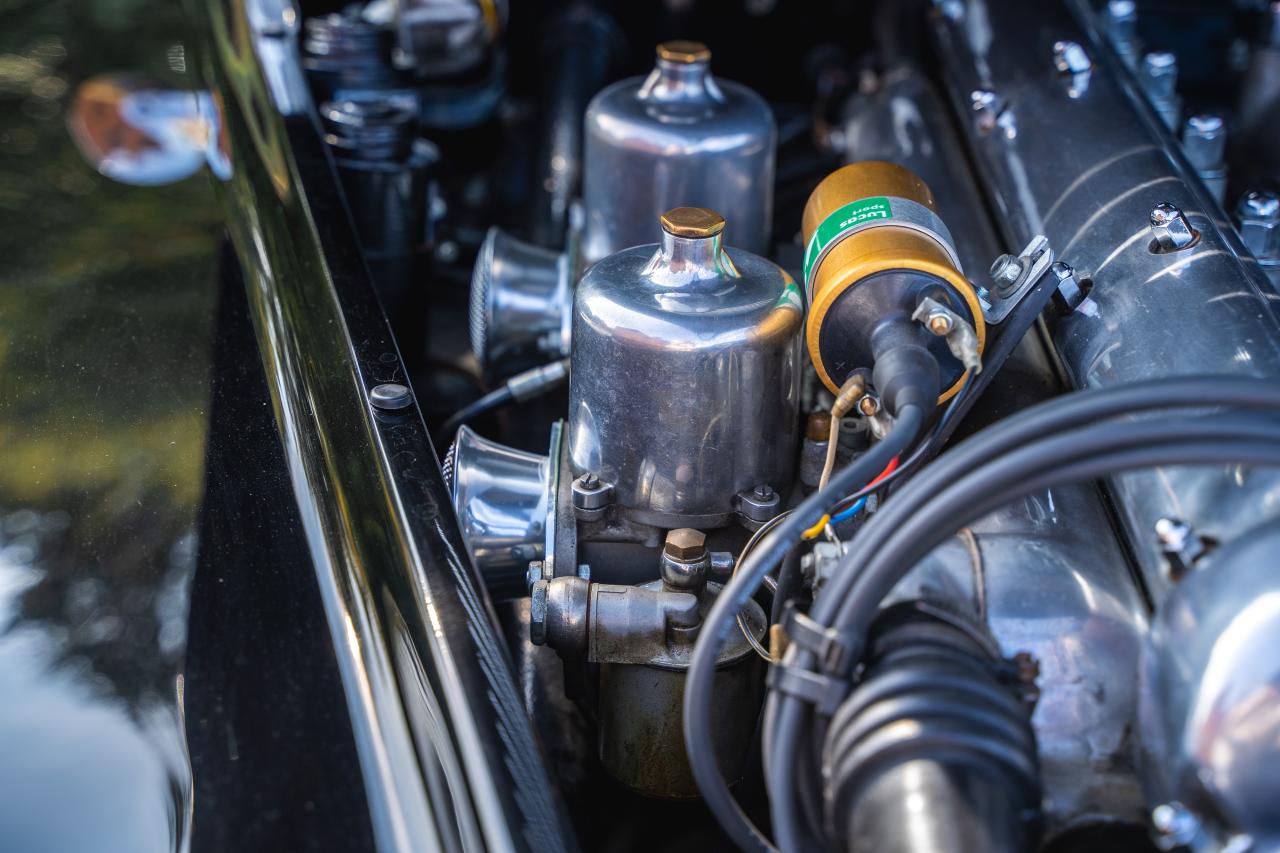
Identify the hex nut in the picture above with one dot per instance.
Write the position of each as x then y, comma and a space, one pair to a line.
686, 544
538, 613
1259, 214
1171, 229
940, 323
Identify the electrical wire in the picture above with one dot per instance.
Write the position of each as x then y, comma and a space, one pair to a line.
1054, 416
833, 443
719, 621
901, 533
850, 392
971, 499
523, 386
754, 539
476, 408
827, 520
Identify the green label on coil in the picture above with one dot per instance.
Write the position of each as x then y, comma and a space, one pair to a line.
839, 221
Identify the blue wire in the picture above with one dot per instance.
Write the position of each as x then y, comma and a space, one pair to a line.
850, 512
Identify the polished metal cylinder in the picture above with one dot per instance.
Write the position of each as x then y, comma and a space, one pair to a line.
685, 375
678, 137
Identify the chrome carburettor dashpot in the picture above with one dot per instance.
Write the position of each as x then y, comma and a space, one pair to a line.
684, 388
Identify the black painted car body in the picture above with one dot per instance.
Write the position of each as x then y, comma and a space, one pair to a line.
235, 611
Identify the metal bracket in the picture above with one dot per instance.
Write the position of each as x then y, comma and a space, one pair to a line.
1007, 291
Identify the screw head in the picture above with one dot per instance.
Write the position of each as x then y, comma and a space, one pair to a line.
686, 544
940, 323
390, 396
764, 491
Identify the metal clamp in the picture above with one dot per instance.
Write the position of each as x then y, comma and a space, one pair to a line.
824, 692
1013, 278
837, 651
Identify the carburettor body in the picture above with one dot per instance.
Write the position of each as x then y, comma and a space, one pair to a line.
685, 373
676, 137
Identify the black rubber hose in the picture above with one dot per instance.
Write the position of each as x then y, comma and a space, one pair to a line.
919, 536
720, 621
1012, 473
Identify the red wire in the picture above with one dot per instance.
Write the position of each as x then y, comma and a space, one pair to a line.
888, 469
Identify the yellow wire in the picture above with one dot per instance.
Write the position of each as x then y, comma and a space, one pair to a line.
816, 531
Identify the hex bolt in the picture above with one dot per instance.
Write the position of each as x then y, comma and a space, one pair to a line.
1171, 229
1121, 19
686, 544
1005, 271
940, 323
390, 396
1159, 77
1070, 58
1259, 214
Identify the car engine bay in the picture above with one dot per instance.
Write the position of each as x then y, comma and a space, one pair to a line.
862, 416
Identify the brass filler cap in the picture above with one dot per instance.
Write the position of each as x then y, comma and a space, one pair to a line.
686, 52
692, 222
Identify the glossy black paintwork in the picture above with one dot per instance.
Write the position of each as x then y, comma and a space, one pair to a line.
446, 753
106, 331
196, 501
